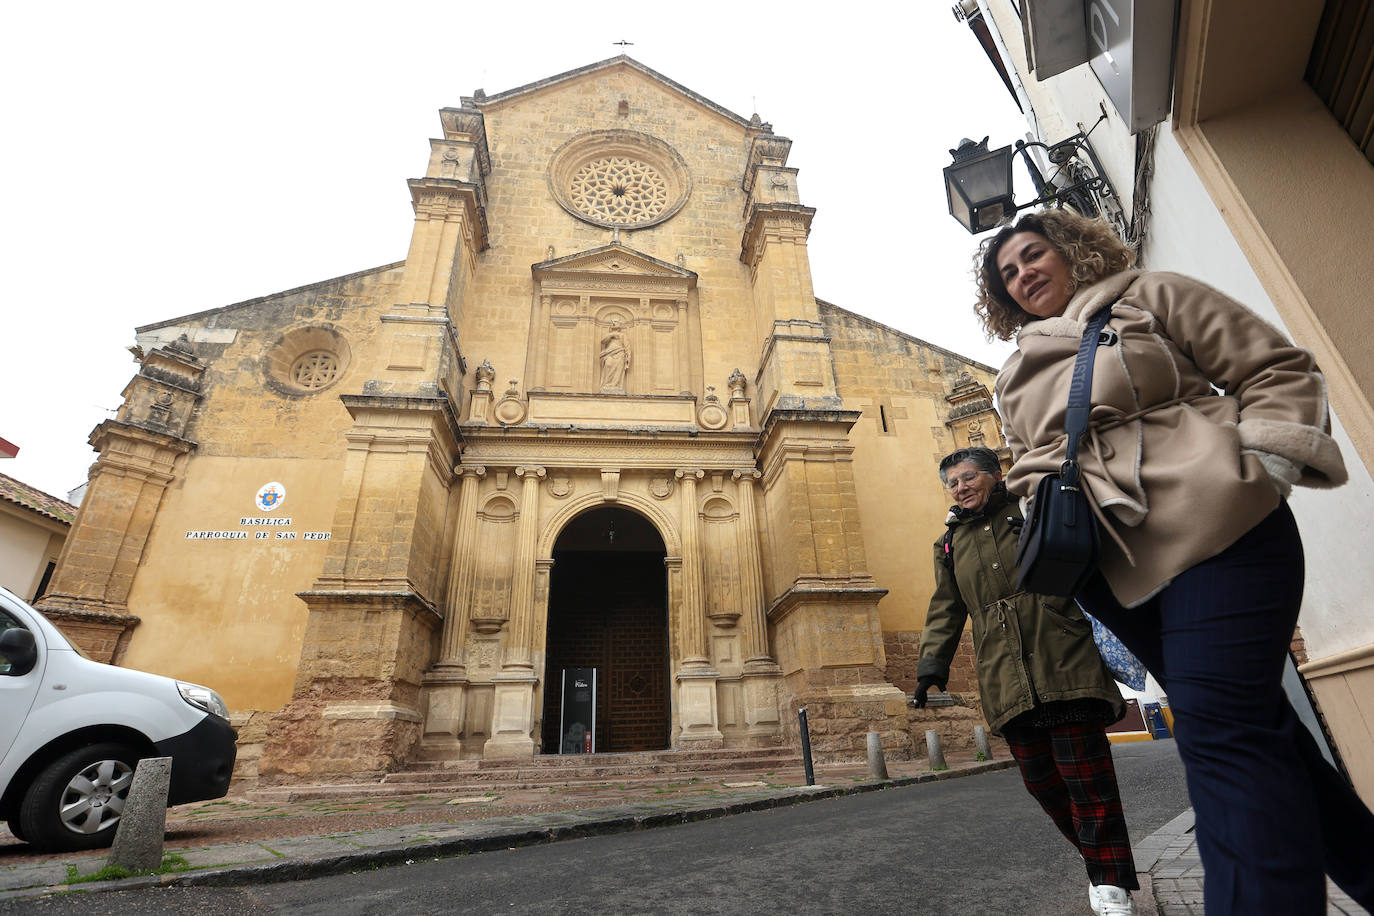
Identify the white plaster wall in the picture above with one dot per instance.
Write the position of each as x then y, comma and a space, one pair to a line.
1188, 235
1063, 102
23, 552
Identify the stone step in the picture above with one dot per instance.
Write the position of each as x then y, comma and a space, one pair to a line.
576, 761
558, 776
283, 794
482, 776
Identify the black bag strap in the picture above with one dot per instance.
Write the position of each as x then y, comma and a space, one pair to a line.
1081, 391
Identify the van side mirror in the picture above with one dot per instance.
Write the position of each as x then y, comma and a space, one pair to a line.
17, 647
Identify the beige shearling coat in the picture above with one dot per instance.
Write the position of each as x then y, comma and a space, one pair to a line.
1173, 465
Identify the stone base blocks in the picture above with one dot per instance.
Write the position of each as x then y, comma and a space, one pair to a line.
356, 706
830, 649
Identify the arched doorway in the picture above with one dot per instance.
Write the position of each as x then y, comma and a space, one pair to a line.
608, 609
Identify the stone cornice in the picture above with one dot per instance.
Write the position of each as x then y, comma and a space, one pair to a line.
775, 222
850, 591
449, 197
58, 607
407, 599
596, 449
469, 125
806, 415
766, 148
356, 403
108, 428
595, 260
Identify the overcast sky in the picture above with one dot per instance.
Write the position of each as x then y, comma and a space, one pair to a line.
162, 159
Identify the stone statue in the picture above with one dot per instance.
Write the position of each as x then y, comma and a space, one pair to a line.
615, 358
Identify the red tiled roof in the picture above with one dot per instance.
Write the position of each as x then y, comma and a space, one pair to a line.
35, 500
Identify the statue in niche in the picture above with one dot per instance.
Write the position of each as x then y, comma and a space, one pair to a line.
615, 358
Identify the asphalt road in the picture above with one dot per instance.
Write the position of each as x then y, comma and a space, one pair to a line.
976, 845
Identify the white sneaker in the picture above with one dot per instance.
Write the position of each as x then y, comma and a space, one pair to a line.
1110, 900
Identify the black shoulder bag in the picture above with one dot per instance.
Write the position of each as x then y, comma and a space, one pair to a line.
1059, 549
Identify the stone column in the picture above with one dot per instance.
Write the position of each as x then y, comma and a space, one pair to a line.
693, 590
463, 568
751, 575
521, 627
697, 710
445, 683
513, 706
762, 675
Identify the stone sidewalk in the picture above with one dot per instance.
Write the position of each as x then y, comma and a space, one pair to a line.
1170, 856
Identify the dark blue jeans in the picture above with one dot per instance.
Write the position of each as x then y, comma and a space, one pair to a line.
1273, 817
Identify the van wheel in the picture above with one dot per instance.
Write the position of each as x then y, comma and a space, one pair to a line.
76, 803
13, 824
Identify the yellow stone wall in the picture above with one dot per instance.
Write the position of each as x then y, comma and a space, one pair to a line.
900, 499
224, 612
369, 459
525, 132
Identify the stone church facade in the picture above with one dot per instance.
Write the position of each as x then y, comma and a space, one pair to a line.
596, 418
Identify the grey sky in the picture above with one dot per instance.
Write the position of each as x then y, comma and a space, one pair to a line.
165, 158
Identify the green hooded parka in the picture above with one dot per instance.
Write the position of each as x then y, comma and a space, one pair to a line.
1030, 649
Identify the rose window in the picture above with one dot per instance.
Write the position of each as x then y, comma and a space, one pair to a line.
619, 189
316, 369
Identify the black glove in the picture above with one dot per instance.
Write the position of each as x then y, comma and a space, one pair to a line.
923, 685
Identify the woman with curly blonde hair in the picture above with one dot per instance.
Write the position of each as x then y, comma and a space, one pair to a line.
1203, 417
1090, 247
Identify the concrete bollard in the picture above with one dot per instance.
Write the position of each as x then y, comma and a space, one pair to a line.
980, 740
143, 825
937, 756
877, 765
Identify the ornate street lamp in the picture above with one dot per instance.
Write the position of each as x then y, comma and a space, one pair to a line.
978, 181
978, 185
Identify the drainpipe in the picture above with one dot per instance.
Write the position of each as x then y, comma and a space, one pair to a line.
970, 9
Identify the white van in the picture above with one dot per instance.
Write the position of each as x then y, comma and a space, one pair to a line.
72, 730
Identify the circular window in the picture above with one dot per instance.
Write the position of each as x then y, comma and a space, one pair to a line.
619, 189
306, 360
315, 369
619, 179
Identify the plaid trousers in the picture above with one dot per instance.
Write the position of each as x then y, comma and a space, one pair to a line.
1068, 769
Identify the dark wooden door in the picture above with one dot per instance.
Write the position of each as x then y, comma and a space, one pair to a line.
607, 611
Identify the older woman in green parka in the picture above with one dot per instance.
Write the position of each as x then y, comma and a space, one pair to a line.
1044, 686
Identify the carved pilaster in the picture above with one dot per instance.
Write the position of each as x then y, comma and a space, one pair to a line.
513, 703
518, 650
756, 654
693, 586
462, 568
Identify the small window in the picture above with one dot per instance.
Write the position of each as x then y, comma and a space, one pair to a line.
316, 369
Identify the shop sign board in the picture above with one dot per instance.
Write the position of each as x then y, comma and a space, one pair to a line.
1128, 43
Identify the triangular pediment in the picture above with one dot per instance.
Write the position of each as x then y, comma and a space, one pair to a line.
616, 260
592, 71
